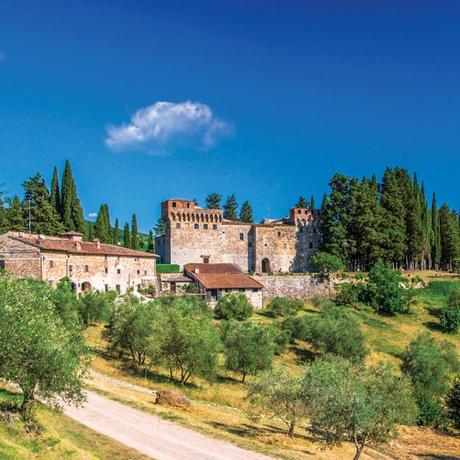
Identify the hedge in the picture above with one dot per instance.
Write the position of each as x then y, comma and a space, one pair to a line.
168, 268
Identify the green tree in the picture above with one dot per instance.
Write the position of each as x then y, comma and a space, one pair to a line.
450, 237
284, 306
277, 393
150, 243
435, 234
160, 227
335, 332
449, 314
134, 233
102, 227
302, 203
349, 402
453, 403
15, 215
246, 213
231, 208
126, 236
234, 305
430, 365
247, 348
4, 224
213, 201
93, 307
312, 202
185, 340
55, 194
44, 219
325, 264
71, 210
131, 327
64, 299
116, 232
39, 352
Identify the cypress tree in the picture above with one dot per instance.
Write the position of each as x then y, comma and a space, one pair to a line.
231, 208
312, 202
435, 235
71, 210
15, 215
3, 219
102, 228
246, 213
44, 218
89, 232
126, 236
426, 230
302, 203
213, 201
116, 231
150, 243
134, 234
450, 237
55, 195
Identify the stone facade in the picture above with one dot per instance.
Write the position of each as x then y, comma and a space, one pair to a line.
199, 235
88, 265
300, 286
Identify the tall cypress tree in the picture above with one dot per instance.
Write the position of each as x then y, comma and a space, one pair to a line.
55, 194
312, 202
3, 218
126, 236
450, 237
426, 230
116, 231
150, 243
435, 235
102, 229
246, 213
71, 210
135, 243
302, 203
231, 208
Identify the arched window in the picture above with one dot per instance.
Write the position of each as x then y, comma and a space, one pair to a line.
266, 265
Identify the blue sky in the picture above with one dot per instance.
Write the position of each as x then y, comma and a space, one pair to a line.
282, 94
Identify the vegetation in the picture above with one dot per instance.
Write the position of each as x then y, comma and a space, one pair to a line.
40, 351
168, 268
234, 305
349, 402
231, 208
93, 306
283, 306
449, 314
453, 403
246, 213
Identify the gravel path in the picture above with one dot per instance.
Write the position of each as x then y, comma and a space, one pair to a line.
152, 436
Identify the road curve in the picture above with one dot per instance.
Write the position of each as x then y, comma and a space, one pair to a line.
151, 435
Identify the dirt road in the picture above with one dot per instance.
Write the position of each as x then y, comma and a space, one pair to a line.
151, 435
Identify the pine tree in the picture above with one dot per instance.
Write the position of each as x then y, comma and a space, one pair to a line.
55, 194
135, 243
213, 201
312, 202
89, 232
426, 230
160, 227
116, 231
102, 229
3, 218
71, 210
126, 236
246, 213
302, 203
435, 235
450, 237
231, 208
15, 215
44, 218
150, 243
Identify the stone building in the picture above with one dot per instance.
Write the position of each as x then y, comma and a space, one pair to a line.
89, 265
216, 280
199, 235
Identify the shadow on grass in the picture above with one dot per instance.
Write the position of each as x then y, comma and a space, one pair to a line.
432, 326
438, 457
303, 354
267, 314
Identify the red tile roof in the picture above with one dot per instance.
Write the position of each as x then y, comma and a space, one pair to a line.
77, 247
221, 276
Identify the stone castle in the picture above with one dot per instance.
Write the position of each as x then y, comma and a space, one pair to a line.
199, 235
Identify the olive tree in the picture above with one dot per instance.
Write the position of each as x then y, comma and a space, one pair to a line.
39, 351
279, 394
349, 402
234, 305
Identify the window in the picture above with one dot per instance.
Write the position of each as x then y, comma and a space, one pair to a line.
250, 244
138, 272
86, 268
106, 287
173, 204
178, 225
118, 271
197, 226
310, 245
51, 263
70, 268
205, 226
50, 282
241, 236
106, 270
2, 265
214, 226
279, 233
136, 258
299, 211
145, 272
118, 288
138, 287
206, 260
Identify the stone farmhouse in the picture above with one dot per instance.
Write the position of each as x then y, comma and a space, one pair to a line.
199, 235
89, 265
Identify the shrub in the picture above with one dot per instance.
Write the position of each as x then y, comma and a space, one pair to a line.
430, 365
282, 337
234, 305
93, 307
64, 299
449, 315
453, 403
247, 348
346, 295
284, 306
296, 327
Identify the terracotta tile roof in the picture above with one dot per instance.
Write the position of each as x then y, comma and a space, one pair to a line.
221, 276
77, 247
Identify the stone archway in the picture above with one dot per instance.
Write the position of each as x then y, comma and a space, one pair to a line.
86, 286
266, 265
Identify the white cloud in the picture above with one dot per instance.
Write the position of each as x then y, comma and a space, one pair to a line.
92, 215
164, 127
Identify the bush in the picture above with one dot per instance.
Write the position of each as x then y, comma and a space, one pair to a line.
282, 337
295, 327
168, 268
430, 365
453, 403
385, 292
93, 307
247, 348
234, 305
449, 315
284, 306
347, 295
334, 331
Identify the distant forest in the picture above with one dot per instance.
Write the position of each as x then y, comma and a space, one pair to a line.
362, 220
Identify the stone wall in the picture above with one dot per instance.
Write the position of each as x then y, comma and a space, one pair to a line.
302, 286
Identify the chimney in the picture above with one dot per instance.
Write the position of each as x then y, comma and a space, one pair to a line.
196, 270
97, 243
73, 236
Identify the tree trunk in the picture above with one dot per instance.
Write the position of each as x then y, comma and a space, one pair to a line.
28, 399
244, 377
291, 430
359, 451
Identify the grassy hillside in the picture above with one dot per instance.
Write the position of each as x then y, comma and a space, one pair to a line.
60, 438
219, 408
